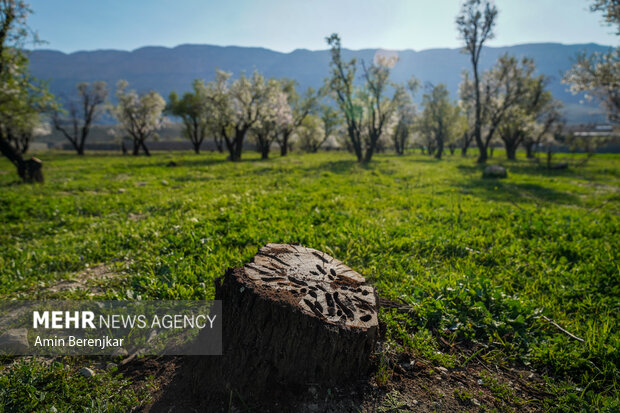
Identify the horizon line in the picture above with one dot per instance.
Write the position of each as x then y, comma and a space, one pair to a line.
41, 49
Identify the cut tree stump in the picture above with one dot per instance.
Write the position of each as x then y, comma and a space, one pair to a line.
293, 316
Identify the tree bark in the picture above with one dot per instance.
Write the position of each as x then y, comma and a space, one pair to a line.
511, 151
529, 150
144, 148
294, 316
439, 148
236, 146
218, 144
28, 170
284, 143
482, 157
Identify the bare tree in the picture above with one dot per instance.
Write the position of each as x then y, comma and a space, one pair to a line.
366, 110
475, 24
341, 84
468, 111
82, 112
379, 107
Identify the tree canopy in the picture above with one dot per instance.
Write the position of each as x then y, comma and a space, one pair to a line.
140, 115
22, 98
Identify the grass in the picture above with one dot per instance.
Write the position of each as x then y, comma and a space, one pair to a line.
479, 261
59, 387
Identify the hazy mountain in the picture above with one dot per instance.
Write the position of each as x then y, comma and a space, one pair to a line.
166, 69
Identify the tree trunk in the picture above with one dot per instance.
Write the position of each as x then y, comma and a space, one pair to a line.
264, 150
219, 144
511, 151
196, 148
230, 145
294, 316
529, 150
356, 143
144, 148
238, 150
368, 155
237, 144
79, 148
284, 144
482, 157
398, 148
439, 149
136, 147
28, 171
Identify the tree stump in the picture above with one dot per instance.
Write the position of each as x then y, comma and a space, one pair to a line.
34, 171
293, 316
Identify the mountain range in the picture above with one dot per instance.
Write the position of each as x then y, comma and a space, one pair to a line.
166, 69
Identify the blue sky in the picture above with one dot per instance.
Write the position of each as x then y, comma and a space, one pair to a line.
285, 25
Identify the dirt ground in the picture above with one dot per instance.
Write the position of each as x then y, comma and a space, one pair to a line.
413, 385
410, 383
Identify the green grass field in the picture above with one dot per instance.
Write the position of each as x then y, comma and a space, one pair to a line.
487, 265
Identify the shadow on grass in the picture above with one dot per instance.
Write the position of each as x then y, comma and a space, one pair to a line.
506, 191
519, 167
140, 162
195, 162
337, 167
12, 183
340, 167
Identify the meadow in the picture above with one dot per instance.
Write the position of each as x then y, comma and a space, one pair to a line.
493, 271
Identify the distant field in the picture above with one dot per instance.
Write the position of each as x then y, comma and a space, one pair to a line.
480, 261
